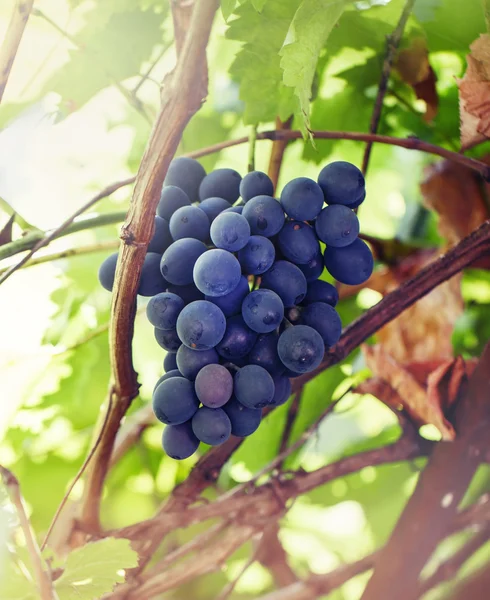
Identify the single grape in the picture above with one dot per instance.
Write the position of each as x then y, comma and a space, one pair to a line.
254, 184
337, 225
287, 281
223, 183
264, 353
169, 375
300, 348
186, 174
230, 231
325, 319
188, 293
265, 216
168, 339
244, 421
238, 339
151, 280
107, 272
254, 387
321, 291
302, 199
352, 264
217, 272
170, 362
213, 207
263, 310
214, 385
172, 199
179, 259
297, 242
201, 325
313, 269
211, 425
257, 256
163, 309
190, 362
161, 239
234, 209
231, 304
341, 182
175, 401
189, 222
179, 441
283, 389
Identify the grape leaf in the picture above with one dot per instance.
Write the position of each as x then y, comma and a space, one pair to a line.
227, 8
14, 585
257, 64
258, 4
311, 26
94, 569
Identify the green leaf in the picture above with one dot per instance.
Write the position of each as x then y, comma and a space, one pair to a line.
258, 4
94, 569
257, 64
311, 26
227, 8
14, 585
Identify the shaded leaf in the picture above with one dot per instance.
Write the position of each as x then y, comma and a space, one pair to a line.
414, 68
311, 26
94, 569
258, 4
474, 93
420, 407
14, 585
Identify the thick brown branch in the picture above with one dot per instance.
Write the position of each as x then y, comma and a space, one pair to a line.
455, 260
15, 31
184, 98
433, 506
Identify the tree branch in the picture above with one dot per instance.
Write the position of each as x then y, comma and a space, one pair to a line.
455, 260
11, 42
89, 249
434, 504
137, 231
392, 44
43, 578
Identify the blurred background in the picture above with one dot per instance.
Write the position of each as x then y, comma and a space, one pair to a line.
75, 117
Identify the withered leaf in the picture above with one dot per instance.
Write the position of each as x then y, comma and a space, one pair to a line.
474, 93
421, 408
414, 68
6, 232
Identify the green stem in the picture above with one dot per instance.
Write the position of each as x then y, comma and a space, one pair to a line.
33, 237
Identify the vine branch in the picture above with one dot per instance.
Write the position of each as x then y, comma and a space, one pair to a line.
11, 42
392, 44
138, 229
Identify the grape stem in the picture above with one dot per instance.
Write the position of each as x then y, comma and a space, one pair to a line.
11, 42
277, 152
392, 43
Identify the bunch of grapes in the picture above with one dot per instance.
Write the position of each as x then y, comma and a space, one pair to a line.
236, 299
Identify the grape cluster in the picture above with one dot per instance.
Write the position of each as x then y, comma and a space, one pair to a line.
236, 299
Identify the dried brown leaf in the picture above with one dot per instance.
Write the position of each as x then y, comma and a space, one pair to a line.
414, 68
6, 232
458, 195
474, 93
420, 407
